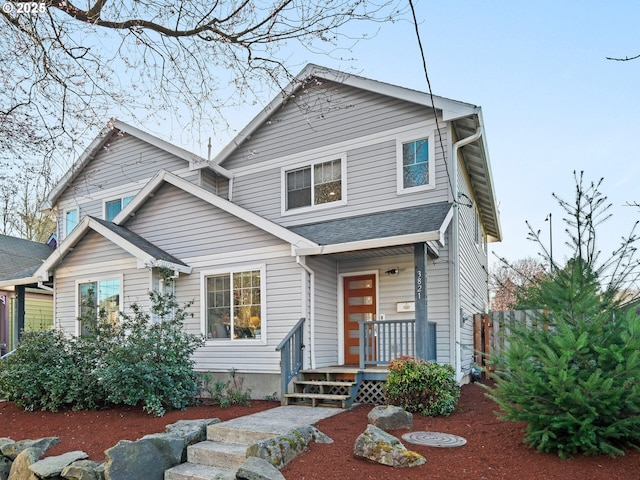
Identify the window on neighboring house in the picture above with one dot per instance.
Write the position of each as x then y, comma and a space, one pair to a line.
70, 221
314, 184
98, 301
415, 165
113, 207
233, 305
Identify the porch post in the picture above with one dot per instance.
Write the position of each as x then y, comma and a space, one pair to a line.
20, 310
420, 284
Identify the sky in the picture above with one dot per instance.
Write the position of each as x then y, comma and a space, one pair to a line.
552, 102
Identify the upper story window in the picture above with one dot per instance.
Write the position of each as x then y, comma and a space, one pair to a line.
113, 207
312, 185
70, 221
415, 164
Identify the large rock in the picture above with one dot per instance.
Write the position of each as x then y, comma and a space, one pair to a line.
83, 470
5, 468
389, 417
20, 467
381, 447
12, 450
280, 450
255, 468
193, 431
146, 458
52, 466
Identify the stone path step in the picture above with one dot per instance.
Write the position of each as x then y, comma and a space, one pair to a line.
225, 449
193, 471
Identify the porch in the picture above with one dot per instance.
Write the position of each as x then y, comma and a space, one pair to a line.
380, 342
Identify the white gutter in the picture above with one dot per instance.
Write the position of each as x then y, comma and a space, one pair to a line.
312, 279
455, 248
43, 286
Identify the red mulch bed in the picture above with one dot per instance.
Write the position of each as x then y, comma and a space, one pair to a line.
494, 449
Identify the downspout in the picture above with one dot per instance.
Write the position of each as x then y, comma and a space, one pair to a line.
43, 286
455, 248
311, 347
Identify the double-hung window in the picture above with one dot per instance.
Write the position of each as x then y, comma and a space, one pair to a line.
415, 164
316, 184
234, 304
113, 207
98, 301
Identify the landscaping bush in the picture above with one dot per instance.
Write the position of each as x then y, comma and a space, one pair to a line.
135, 362
422, 387
573, 374
574, 378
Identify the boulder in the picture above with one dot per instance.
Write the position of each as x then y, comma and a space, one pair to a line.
381, 447
5, 468
24, 459
12, 450
255, 468
146, 458
389, 417
83, 470
52, 466
193, 431
280, 450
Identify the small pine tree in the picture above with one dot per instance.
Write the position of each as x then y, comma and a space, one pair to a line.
573, 375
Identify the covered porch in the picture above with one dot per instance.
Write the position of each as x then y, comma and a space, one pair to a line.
369, 300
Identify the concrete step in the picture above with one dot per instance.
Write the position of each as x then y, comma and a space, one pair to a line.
319, 399
233, 434
193, 471
218, 454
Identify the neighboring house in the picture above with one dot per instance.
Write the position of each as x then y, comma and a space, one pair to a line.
24, 305
345, 200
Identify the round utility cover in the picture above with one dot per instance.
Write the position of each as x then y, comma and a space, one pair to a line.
434, 439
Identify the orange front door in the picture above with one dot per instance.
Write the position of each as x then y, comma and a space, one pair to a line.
359, 305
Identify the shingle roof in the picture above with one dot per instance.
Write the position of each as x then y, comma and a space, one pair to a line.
406, 221
141, 243
19, 257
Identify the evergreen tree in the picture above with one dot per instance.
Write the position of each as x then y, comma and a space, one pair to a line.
573, 373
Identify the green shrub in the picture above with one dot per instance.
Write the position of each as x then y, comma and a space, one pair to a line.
227, 393
576, 380
422, 387
135, 362
151, 363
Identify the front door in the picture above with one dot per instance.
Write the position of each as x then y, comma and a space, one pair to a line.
359, 305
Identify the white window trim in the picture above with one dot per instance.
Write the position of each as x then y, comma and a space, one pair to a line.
311, 162
113, 199
429, 135
102, 278
263, 303
64, 220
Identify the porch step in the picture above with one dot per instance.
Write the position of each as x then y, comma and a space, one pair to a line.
318, 399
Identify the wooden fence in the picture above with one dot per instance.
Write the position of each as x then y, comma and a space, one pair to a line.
491, 334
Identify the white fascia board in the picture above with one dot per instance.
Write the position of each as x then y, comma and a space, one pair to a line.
18, 281
93, 148
163, 176
370, 244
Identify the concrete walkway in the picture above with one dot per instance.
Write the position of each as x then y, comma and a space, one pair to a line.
225, 449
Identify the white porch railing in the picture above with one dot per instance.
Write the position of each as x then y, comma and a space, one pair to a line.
384, 340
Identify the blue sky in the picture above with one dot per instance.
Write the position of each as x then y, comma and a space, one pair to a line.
552, 102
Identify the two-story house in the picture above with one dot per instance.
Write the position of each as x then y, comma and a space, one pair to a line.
344, 226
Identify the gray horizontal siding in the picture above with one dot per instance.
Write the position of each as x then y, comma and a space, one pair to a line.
325, 321
321, 116
187, 226
124, 160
